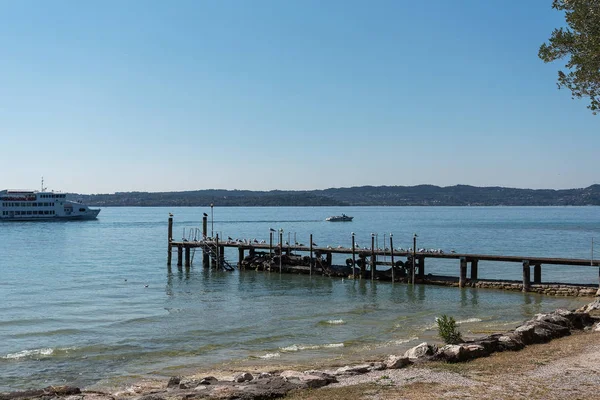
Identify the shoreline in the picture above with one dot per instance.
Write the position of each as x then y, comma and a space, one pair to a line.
280, 380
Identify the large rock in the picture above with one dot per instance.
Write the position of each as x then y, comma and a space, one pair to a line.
395, 362
420, 352
461, 352
243, 377
540, 332
312, 381
353, 369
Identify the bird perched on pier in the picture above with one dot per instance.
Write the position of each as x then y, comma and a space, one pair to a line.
205, 214
286, 243
272, 230
314, 244
229, 238
170, 215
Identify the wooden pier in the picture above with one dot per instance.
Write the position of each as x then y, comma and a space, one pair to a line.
413, 269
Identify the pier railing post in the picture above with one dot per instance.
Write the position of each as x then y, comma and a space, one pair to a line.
421, 273
217, 256
462, 280
526, 276
187, 257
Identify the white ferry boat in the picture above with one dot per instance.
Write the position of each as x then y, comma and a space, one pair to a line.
29, 205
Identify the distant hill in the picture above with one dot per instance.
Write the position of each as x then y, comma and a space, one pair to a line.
422, 195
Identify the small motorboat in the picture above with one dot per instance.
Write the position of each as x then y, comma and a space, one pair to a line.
339, 218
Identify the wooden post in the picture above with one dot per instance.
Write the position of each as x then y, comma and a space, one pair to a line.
187, 257
310, 261
421, 274
217, 256
414, 259
329, 258
270, 245
526, 276
170, 238
393, 266
240, 256
280, 249
462, 280
353, 256
363, 265
537, 273
372, 257
179, 255
205, 256
474, 269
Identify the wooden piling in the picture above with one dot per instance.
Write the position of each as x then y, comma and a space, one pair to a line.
310, 261
329, 259
270, 245
205, 256
474, 269
537, 273
217, 255
179, 256
392, 259
526, 276
240, 256
373, 257
353, 255
421, 274
170, 239
280, 250
462, 280
187, 257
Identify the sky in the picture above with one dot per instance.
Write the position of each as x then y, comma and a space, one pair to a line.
108, 96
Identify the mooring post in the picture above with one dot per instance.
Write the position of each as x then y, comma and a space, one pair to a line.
363, 265
353, 256
421, 274
271, 244
329, 259
240, 256
393, 266
217, 256
310, 260
462, 280
372, 256
187, 257
205, 256
280, 248
537, 273
526, 276
179, 255
474, 269
170, 238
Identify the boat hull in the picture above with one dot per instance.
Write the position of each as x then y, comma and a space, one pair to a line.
93, 214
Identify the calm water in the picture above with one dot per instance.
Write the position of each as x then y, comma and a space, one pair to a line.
88, 303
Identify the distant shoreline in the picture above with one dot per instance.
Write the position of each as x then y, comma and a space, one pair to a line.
363, 196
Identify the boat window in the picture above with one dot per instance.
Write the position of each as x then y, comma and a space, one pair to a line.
82, 210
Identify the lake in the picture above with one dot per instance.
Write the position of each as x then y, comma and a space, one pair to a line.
93, 304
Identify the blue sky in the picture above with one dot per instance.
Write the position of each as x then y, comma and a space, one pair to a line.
109, 96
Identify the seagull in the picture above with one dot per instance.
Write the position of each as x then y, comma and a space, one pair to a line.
272, 230
229, 238
314, 244
205, 214
170, 215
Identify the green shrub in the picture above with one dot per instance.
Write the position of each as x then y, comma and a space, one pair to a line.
448, 331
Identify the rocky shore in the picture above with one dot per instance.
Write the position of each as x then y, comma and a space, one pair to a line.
275, 384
